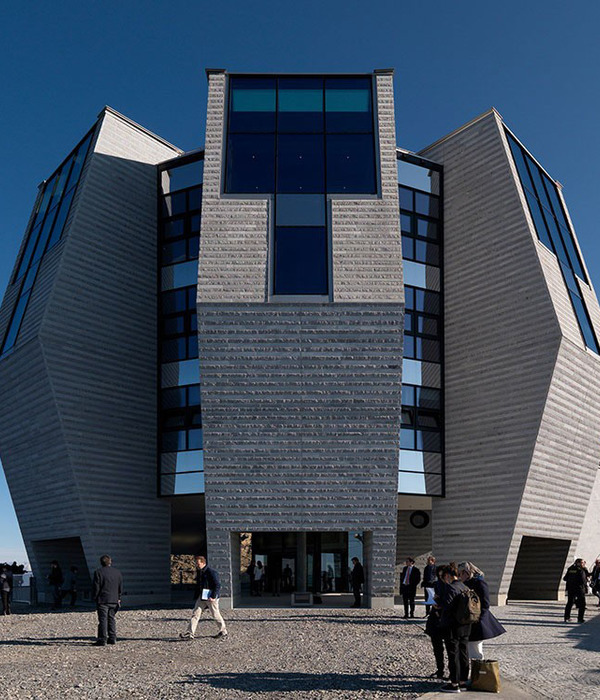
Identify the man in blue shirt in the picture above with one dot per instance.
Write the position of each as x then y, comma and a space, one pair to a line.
206, 594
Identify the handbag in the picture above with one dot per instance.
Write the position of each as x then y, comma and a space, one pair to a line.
485, 675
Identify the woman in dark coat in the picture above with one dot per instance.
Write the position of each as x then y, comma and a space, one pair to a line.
433, 628
488, 626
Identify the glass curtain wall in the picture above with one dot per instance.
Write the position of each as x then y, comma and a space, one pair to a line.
421, 468
181, 468
300, 139
553, 230
45, 231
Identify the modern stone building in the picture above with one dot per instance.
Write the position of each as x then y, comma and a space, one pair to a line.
302, 343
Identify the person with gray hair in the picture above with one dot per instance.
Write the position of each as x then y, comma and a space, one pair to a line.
487, 627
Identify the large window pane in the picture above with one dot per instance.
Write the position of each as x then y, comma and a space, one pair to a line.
300, 163
300, 261
348, 105
415, 176
252, 105
251, 163
61, 218
300, 105
183, 176
584, 323
351, 164
538, 219
15, 323
300, 210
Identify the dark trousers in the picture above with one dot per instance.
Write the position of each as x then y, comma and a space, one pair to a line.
73, 595
356, 591
578, 598
107, 624
408, 598
437, 642
56, 596
5, 602
458, 657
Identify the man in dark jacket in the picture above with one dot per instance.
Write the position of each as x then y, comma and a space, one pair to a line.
576, 580
456, 635
357, 579
409, 580
107, 591
6, 586
206, 595
429, 579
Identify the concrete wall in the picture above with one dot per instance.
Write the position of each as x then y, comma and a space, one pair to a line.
83, 373
522, 440
301, 401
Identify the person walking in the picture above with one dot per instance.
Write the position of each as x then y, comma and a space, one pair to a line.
6, 586
357, 579
409, 580
206, 595
55, 580
455, 631
107, 591
429, 581
487, 627
576, 580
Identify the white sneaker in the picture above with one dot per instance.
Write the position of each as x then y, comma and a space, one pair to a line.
185, 635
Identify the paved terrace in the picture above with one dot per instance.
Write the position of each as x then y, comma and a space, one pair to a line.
281, 654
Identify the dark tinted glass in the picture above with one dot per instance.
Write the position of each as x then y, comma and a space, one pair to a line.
252, 105
572, 252
174, 301
406, 198
184, 176
538, 219
408, 248
406, 223
194, 395
300, 163
427, 204
300, 261
251, 163
520, 163
15, 323
174, 228
173, 398
174, 204
350, 164
195, 199
348, 105
408, 395
300, 105
174, 252
61, 217
78, 162
427, 229
584, 323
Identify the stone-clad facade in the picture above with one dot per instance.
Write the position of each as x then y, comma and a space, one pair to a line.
449, 320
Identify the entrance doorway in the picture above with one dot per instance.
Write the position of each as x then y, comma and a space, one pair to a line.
287, 562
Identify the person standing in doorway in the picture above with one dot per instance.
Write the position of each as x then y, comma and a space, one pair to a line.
206, 595
576, 580
357, 579
55, 580
409, 580
429, 580
259, 578
6, 586
107, 591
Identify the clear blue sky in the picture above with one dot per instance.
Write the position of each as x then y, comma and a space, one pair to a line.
537, 62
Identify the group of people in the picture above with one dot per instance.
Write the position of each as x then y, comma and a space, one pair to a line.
578, 580
61, 587
275, 578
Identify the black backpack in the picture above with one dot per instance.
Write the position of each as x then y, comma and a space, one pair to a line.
467, 608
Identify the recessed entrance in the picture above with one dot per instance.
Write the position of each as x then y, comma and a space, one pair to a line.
275, 565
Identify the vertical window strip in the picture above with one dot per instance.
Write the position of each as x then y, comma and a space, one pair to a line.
48, 227
543, 204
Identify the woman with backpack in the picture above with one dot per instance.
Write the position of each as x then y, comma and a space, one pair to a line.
487, 627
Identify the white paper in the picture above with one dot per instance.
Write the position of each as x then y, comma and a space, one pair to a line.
430, 594
205, 593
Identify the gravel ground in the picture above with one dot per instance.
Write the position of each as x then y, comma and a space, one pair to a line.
327, 653
269, 654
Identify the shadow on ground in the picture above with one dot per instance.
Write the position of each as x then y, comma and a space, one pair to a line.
293, 682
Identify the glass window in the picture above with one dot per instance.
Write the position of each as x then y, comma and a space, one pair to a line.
427, 204
183, 176
408, 395
191, 460
180, 373
300, 260
406, 198
406, 223
181, 275
521, 165
15, 324
427, 229
194, 395
61, 218
78, 162
538, 219
407, 439
174, 204
173, 398
251, 163
415, 176
408, 248
173, 228
411, 482
351, 164
300, 105
300, 210
182, 484
348, 105
300, 163
174, 252
584, 323
252, 105
428, 398
195, 439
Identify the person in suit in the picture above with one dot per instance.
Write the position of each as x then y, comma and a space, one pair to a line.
429, 580
409, 580
107, 591
576, 580
487, 627
357, 579
455, 634
206, 595
6, 586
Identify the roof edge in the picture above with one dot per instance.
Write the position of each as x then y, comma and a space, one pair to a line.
109, 110
470, 123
